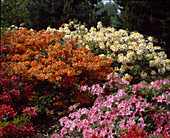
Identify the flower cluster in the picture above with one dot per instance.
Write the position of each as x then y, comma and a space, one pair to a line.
15, 95
134, 133
14, 125
14, 91
44, 56
53, 69
120, 112
133, 53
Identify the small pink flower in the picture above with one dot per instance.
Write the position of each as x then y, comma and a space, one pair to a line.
110, 98
120, 93
110, 76
103, 132
131, 122
55, 136
63, 120
116, 75
122, 124
72, 107
63, 131
159, 99
84, 88
31, 111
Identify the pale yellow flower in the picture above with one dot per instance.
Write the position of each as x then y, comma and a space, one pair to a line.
131, 67
150, 38
153, 72
113, 48
143, 74
140, 57
102, 55
101, 45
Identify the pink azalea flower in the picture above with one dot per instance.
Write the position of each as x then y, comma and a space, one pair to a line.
131, 122
159, 99
120, 94
141, 124
72, 107
116, 75
63, 131
103, 132
110, 76
55, 136
128, 112
122, 124
110, 98
63, 120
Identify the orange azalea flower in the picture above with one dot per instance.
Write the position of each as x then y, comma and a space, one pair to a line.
22, 24
24, 79
35, 56
34, 63
30, 99
27, 63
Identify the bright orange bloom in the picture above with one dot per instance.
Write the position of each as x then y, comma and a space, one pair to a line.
22, 24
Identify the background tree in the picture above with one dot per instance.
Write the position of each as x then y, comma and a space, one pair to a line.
13, 12
103, 14
147, 17
39, 14
51, 12
106, 13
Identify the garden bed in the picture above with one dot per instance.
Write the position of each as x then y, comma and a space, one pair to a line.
53, 76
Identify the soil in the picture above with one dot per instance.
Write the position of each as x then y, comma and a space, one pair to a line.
45, 126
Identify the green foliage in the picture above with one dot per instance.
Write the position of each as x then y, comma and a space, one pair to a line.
147, 17
39, 14
51, 12
13, 12
106, 13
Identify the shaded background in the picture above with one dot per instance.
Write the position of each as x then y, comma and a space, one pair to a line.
151, 18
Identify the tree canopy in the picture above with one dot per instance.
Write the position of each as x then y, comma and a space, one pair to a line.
39, 14
147, 17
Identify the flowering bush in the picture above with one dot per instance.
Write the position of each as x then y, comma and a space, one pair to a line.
133, 53
13, 125
56, 68
46, 59
145, 106
15, 116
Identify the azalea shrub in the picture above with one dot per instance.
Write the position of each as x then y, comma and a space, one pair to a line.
49, 70
135, 56
15, 125
15, 113
127, 110
47, 59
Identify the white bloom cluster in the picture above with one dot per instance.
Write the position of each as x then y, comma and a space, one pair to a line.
132, 52
13, 28
51, 29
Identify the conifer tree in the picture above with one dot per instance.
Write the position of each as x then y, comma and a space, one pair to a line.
13, 12
44, 13
147, 17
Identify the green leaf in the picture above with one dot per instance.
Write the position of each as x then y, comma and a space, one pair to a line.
93, 126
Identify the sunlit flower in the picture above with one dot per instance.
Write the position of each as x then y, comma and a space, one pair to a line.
143, 74
153, 72
150, 38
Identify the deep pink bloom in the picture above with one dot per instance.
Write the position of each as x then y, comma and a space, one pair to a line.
159, 99
122, 124
120, 94
55, 136
72, 107
31, 111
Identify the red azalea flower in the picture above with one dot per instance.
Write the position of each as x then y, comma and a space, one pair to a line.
70, 27
133, 132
